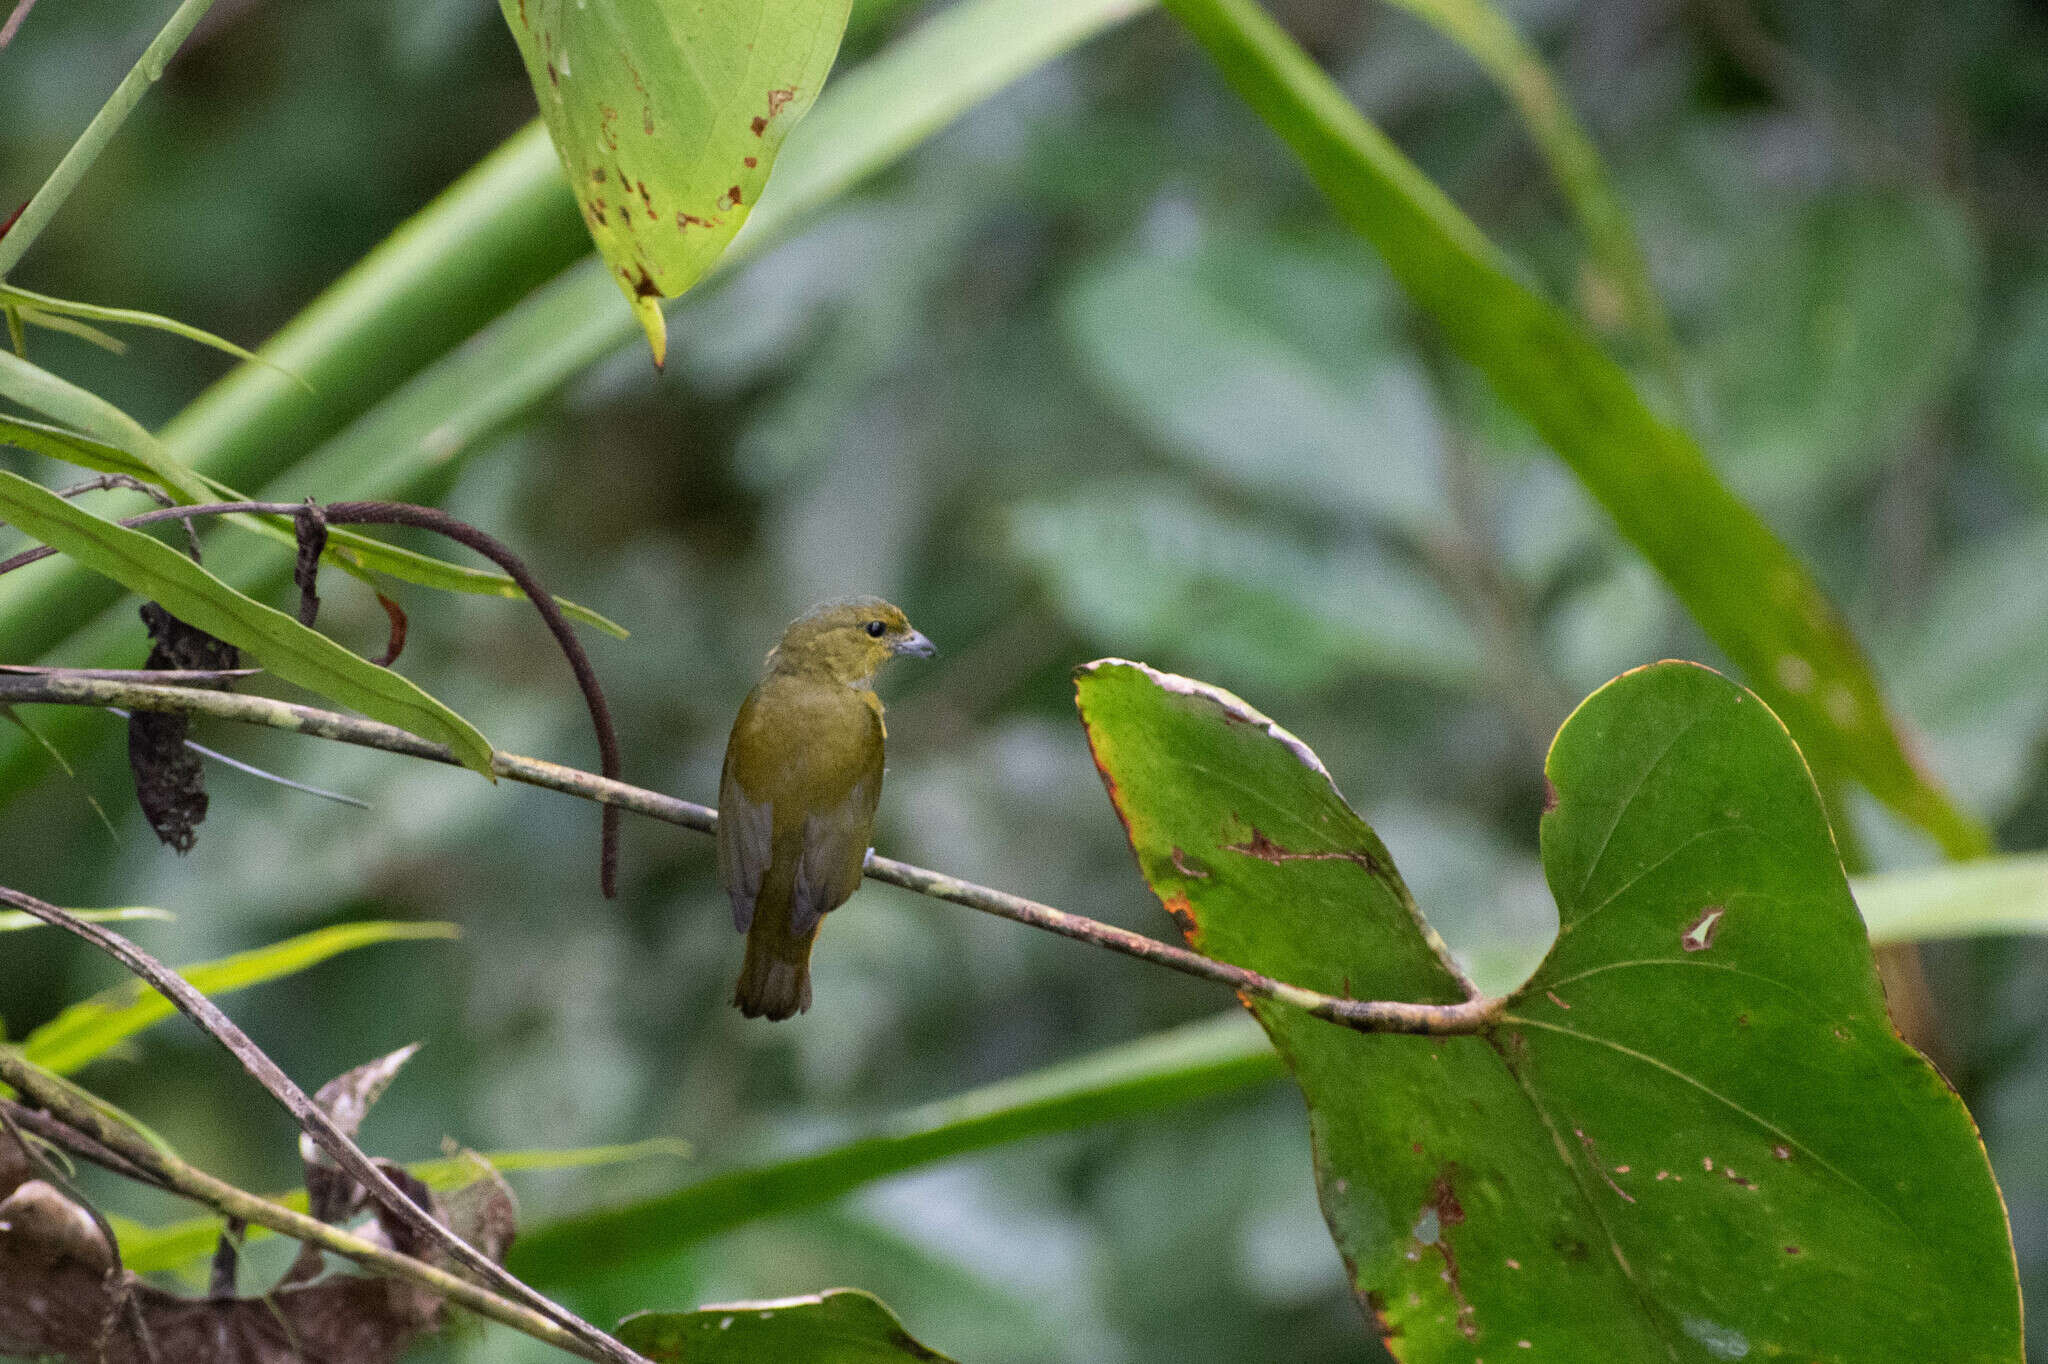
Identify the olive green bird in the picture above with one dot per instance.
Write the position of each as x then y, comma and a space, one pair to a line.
796, 801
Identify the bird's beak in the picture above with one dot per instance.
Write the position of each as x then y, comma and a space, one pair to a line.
915, 645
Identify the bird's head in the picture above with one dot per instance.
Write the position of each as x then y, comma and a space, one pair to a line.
847, 641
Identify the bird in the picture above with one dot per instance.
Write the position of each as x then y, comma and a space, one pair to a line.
797, 793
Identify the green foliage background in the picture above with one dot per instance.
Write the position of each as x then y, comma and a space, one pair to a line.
953, 389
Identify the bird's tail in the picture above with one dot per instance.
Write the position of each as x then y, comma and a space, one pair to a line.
775, 979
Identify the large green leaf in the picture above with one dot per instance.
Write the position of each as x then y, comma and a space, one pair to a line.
838, 1326
668, 118
1741, 583
152, 569
1692, 1136
95, 1026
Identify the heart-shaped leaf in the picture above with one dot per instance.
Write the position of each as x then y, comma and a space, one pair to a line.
1691, 1136
667, 117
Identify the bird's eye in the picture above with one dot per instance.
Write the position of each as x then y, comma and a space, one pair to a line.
875, 629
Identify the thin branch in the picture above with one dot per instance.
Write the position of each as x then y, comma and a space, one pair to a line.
440, 522
59, 1117
1471, 1016
13, 24
312, 1119
98, 133
181, 677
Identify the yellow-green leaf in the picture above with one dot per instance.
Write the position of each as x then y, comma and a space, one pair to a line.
92, 1027
298, 655
668, 117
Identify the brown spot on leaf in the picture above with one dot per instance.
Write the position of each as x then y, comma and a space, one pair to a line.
1181, 864
1593, 1158
554, 77
685, 221
1734, 1178
1793, 1250
1266, 850
647, 119
1552, 996
1444, 1209
1699, 935
778, 98
1549, 795
1182, 912
1782, 1151
731, 197
644, 286
606, 117
750, 162
1377, 1303
760, 126
597, 175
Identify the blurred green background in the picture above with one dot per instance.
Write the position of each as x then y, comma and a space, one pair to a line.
1093, 372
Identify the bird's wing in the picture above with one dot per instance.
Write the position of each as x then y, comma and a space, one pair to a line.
835, 848
746, 830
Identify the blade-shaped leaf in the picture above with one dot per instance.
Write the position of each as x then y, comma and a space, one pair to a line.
1961, 899
58, 443
147, 1249
1741, 583
95, 1026
133, 317
1174, 1067
668, 118
358, 555
13, 919
154, 570
838, 1326
105, 424
1692, 1136
350, 549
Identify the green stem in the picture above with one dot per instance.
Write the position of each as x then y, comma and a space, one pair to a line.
1493, 41
98, 133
